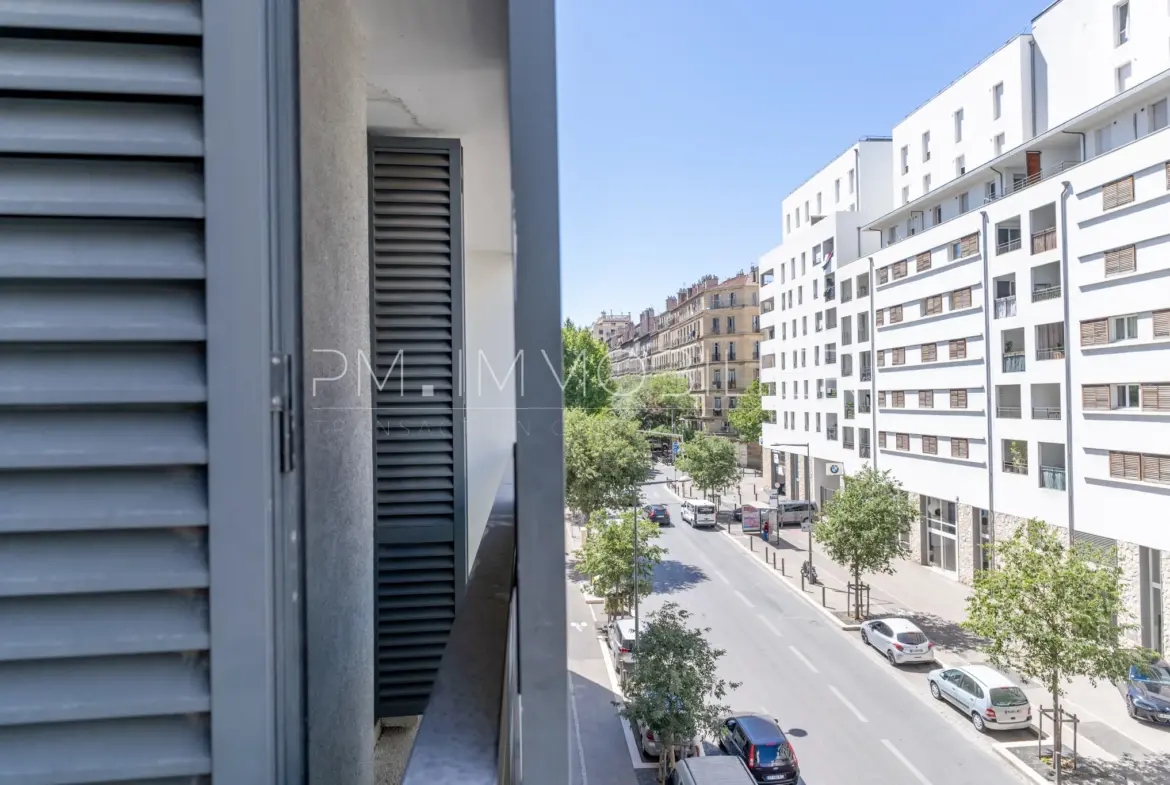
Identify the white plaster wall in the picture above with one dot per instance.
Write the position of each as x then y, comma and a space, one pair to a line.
972, 92
869, 161
1076, 39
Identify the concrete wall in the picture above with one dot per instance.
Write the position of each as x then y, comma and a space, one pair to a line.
1077, 40
339, 613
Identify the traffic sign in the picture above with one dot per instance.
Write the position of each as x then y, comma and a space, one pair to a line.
806, 525
675, 446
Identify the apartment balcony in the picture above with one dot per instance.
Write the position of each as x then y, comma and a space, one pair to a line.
1046, 402
1007, 412
1011, 467
846, 337
1044, 240
1015, 362
830, 357
830, 294
1005, 307
847, 439
732, 384
717, 384
863, 290
831, 433
831, 392
1013, 244
863, 450
1046, 412
866, 373
863, 405
1053, 478
850, 411
1056, 353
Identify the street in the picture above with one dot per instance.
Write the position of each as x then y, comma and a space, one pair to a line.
849, 716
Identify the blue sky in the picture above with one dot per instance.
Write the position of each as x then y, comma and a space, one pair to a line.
684, 123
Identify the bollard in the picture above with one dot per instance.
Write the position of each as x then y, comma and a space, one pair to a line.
802, 581
752, 544
823, 602
782, 570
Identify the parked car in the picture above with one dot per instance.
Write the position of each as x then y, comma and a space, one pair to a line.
621, 636
737, 513
898, 639
698, 512
762, 746
795, 512
1147, 692
651, 745
712, 770
657, 513
984, 694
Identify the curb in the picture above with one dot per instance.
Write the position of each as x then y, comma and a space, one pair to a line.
843, 625
1004, 751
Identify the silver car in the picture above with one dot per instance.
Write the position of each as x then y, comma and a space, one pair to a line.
651, 745
984, 694
898, 639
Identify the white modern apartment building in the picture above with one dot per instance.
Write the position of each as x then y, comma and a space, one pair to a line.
815, 316
1021, 301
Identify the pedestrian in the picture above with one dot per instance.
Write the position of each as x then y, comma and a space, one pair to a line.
764, 530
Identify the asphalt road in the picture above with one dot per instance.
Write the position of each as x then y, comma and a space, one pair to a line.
849, 721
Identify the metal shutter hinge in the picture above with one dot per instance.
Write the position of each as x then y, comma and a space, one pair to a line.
282, 407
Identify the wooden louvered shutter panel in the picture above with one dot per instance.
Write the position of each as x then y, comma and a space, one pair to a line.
899, 399
883, 274
881, 358
899, 356
1121, 260
1095, 332
961, 298
882, 439
1117, 464
960, 448
922, 262
969, 245
1133, 466
903, 441
930, 445
416, 310
929, 352
958, 399
880, 317
1156, 468
881, 398
926, 399
900, 269
1095, 396
1156, 397
1168, 175
1117, 193
958, 349
1162, 324
895, 314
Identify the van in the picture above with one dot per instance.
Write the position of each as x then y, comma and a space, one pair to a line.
795, 512
712, 770
698, 512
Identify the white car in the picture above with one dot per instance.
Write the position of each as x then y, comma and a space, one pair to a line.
898, 639
983, 694
651, 745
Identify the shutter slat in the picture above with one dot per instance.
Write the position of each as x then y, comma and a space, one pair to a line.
416, 313
959, 448
1121, 260
929, 352
1095, 396
1095, 332
1162, 324
922, 262
124, 16
930, 445
1117, 193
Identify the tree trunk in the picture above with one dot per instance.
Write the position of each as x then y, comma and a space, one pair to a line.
856, 594
1057, 735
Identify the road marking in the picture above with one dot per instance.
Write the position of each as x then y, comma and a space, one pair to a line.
746, 601
772, 627
721, 577
592, 613
577, 732
905, 762
848, 705
804, 659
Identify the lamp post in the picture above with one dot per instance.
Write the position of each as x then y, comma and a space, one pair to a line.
807, 490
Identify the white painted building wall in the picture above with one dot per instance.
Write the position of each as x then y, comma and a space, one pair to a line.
1079, 45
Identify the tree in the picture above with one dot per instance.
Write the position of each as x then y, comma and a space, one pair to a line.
663, 400
710, 461
607, 558
748, 417
863, 525
675, 689
588, 379
606, 459
1052, 612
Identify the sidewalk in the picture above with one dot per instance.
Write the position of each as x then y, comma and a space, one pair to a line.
937, 603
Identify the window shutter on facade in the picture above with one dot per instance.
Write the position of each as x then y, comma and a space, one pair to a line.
1121, 260
416, 310
880, 317
899, 356
969, 245
926, 399
929, 352
922, 262
1095, 332
881, 358
961, 298
895, 314
958, 349
883, 274
930, 445
903, 442
934, 305
1161, 324
958, 399
1095, 396
881, 398
899, 399
1117, 193
959, 448
882, 439
1156, 397
1125, 465
900, 269
1156, 468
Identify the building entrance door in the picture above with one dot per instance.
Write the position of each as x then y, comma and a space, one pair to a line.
941, 540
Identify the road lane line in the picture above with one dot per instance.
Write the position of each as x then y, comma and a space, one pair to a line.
804, 659
592, 613
905, 762
772, 627
746, 601
848, 705
577, 732
721, 576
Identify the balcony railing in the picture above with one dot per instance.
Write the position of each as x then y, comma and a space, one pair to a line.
1053, 477
1005, 307
1050, 354
820, 393
1045, 412
1015, 468
846, 337
862, 291
830, 294
1044, 241
831, 393
732, 384
1014, 362
830, 358
1046, 293
1008, 247
831, 433
475, 695
1007, 412
849, 409
866, 373
847, 442
864, 407
863, 450
1032, 179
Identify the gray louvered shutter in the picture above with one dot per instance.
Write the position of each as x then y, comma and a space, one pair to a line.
104, 578
416, 310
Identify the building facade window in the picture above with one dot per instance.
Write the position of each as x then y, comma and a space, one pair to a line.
958, 125
997, 101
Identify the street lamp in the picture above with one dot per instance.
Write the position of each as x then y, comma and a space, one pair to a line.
807, 490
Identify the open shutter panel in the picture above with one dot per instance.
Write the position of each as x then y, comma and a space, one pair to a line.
104, 575
929, 352
895, 314
1117, 193
1162, 324
960, 448
900, 269
1156, 397
958, 399
416, 310
1121, 260
969, 245
1095, 396
1095, 332
880, 317
1156, 468
922, 262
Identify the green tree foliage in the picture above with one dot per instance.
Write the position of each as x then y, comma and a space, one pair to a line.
748, 417
862, 526
1051, 613
607, 559
605, 461
675, 689
587, 376
710, 461
663, 400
